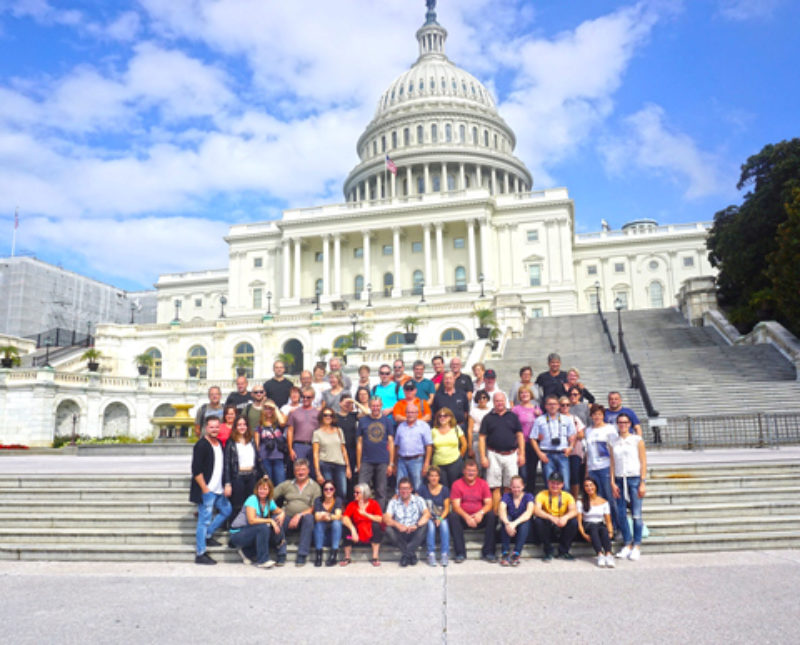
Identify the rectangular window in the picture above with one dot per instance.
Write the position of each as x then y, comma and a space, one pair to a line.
256, 298
537, 312
198, 302
593, 300
406, 137
619, 267
458, 243
591, 269
394, 139
535, 275
386, 249
688, 261
416, 247
533, 236
258, 262
358, 252
621, 297
318, 256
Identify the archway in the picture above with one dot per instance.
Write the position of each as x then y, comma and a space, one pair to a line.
295, 348
116, 420
68, 418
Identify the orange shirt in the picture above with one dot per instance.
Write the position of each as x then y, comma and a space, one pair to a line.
400, 407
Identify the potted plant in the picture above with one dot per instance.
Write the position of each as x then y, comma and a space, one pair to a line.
322, 352
10, 356
92, 355
288, 360
144, 362
485, 322
494, 338
241, 364
194, 363
410, 323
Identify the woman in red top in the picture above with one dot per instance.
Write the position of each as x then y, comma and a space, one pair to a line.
229, 415
362, 518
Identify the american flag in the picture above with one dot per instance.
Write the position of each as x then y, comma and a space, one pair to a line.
391, 165
16, 219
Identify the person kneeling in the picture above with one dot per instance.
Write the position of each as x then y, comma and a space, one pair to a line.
327, 523
554, 518
406, 520
252, 528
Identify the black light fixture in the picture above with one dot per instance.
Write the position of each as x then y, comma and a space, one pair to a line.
618, 306
222, 302
354, 322
481, 278
47, 345
597, 295
133, 309
269, 303
369, 294
317, 294
89, 334
422, 290
177, 310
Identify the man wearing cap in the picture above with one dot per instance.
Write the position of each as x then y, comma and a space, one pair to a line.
410, 392
552, 381
555, 518
490, 384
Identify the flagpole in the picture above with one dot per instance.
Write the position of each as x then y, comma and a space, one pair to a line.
14, 235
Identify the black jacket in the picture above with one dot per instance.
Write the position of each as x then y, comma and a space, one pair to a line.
203, 462
232, 460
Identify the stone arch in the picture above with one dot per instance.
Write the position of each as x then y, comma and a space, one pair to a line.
64, 418
295, 348
116, 420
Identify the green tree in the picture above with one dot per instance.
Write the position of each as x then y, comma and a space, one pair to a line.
744, 238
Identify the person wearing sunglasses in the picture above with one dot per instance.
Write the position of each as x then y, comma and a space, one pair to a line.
449, 446
301, 425
327, 524
577, 459
331, 460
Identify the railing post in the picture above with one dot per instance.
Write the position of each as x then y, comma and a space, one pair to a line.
760, 430
689, 438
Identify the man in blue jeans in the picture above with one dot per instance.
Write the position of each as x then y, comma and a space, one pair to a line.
413, 443
210, 490
553, 438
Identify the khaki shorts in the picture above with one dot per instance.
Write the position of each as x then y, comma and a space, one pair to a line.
501, 469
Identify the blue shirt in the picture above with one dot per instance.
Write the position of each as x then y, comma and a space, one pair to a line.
412, 440
390, 394
425, 388
611, 417
375, 435
513, 512
252, 502
547, 428
406, 514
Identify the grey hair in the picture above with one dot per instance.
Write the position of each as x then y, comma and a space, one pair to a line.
553, 357
364, 488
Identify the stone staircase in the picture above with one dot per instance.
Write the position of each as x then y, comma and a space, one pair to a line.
148, 518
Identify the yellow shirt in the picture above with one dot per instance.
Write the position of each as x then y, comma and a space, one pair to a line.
445, 446
555, 505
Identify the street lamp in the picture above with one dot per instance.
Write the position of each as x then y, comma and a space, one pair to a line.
89, 334
481, 278
354, 322
422, 290
177, 310
597, 295
369, 294
269, 303
133, 309
47, 353
222, 302
317, 294
618, 306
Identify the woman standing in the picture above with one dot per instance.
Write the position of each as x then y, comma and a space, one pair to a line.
242, 463
449, 446
229, 415
599, 436
577, 465
293, 403
362, 402
437, 497
594, 523
333, 395
478, 370
480, 408
362, 517
527, 411
347, 420
515, 513
252, 529
327, 523
330, 451
271, 442
629, 465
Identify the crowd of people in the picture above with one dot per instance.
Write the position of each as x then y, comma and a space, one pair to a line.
408, 459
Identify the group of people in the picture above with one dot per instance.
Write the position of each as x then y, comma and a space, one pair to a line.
412, 459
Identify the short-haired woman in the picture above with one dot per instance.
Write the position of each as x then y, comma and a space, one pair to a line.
515, 513
331, 460
437, 497
362, 517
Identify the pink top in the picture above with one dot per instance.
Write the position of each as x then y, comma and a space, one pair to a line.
471, 496
526, 417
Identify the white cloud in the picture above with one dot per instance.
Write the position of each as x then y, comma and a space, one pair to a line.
742, 10
650, 145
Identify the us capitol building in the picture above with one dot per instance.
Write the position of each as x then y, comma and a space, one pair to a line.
439, 218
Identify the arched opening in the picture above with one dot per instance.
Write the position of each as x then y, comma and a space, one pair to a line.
418, 280
388, 284
294, 348
656, 295
68, 419
451, 336
164, 410
243, 358
395, 339
154, 371
461, 279
197, 358
116, 420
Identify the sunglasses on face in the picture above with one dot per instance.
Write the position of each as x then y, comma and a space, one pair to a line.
308, 397
327, 415
329, 488
385, 373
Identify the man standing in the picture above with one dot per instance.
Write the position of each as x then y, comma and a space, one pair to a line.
301, 425
502, 448
463, 381
615, 408
425, 387
438, 370
406, 519
399, 375
387, 390
210, 490
241, 397
375, 450
213, 408
553, 437
307, 381
413, 445
554, 516
253, 410
277, 388
490, 385
410, 396
296, 497
551, 383
335, 365
447, 396
472, 507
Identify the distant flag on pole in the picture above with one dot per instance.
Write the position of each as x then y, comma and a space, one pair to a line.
16, 219
391, 165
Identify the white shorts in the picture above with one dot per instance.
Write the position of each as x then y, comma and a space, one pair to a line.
501, 468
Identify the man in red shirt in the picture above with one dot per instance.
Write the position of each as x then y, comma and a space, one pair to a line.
472, 507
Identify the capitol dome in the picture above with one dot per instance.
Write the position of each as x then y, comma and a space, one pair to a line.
439, 127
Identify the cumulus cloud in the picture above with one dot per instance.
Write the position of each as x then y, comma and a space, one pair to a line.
742, 10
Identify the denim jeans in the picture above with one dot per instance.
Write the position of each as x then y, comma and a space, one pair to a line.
306, 530
275, 469
636, 510
602, 478
254, 535
444, 536
519, 539
375, 476
557, 461
330, 532
207, 522
411, 468
337, 473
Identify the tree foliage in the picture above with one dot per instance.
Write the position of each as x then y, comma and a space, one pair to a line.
745, 240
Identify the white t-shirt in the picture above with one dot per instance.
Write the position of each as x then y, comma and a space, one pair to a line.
626, 456
247, 455
596, 513
597, 446
477, 416
215, 483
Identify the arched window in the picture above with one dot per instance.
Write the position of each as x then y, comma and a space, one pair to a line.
656, 295
406, 136
437, 183
395, 339
155, 369
394, 139
451, 336
340, 341
197, 357
461, 279
418, 280
434, 133
475, 136
448, 133
359, 286
462, 133
420, 134
243, 357
486, 138
388, 284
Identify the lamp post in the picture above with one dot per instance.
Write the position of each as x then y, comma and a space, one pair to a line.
133, 309
369, 294
354, 322
618, 307
177, 310
269, 303
597, 295
89, 334
222, 302
422, 290
481, 278
316, 299
47, 353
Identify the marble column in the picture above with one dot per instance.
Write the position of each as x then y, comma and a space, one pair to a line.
493, 189
409, 184
287, 269
298, 243
426, 184
443, 181
439, 256
485, 251
478, 177
506, 186
337, 265
326, 266
397, 287
473, 277
462, 178
426, 245
378, 186
367, 265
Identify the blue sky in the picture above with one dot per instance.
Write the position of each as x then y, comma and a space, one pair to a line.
133, 133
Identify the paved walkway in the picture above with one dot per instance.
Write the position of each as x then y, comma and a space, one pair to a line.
698, 598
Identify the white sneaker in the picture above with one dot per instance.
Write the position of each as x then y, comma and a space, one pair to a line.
624, 552
266, 565
601, 560
244, 558
610, 561
635, 554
